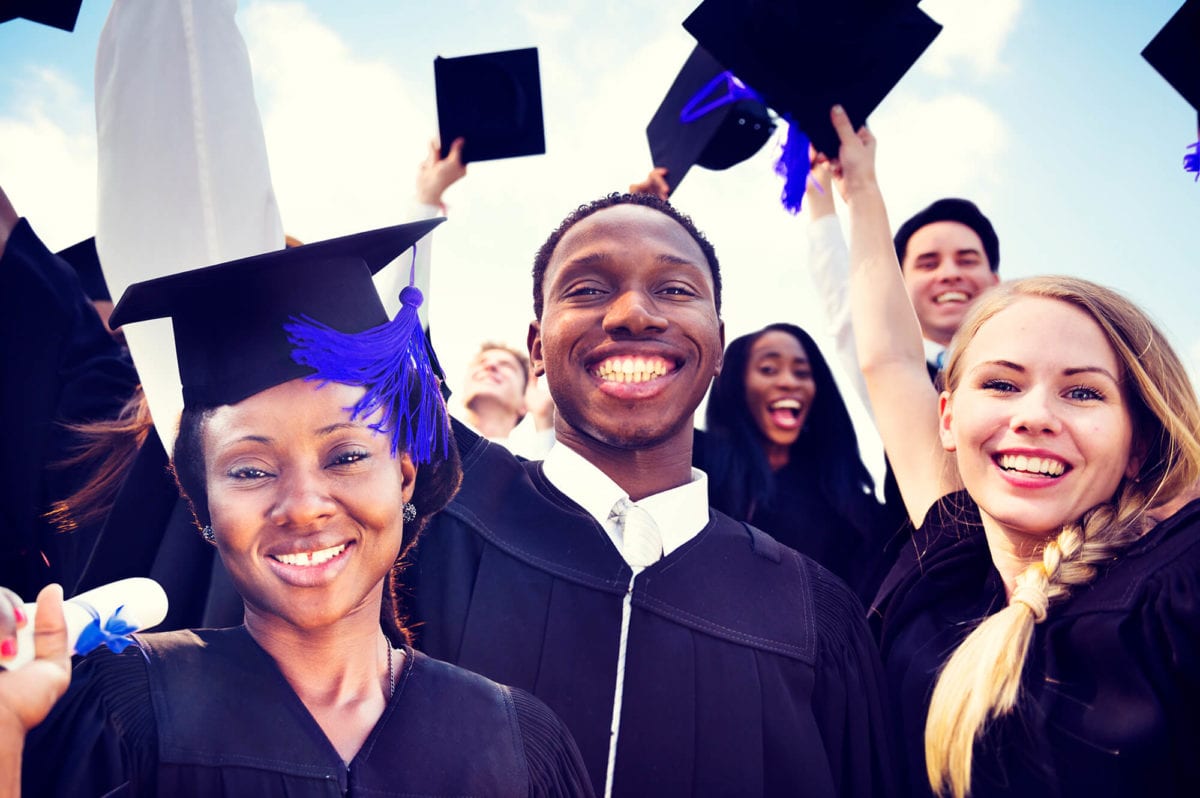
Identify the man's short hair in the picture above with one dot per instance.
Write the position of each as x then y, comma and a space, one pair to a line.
952, 209
542, 260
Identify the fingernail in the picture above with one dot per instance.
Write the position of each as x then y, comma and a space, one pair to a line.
18, 616
837, 109
8, 648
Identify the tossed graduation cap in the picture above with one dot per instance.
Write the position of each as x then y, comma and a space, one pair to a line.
803, 58
709, 118
1175, 53
493, 101
60, 14
86, 263
310, 311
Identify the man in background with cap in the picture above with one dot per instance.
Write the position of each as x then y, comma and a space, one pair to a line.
688, 653
949, 254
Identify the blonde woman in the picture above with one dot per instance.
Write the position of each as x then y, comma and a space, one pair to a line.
1042, 634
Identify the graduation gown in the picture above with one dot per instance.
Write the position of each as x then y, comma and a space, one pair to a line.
749, 669
62, 367
207, 713
1110, 696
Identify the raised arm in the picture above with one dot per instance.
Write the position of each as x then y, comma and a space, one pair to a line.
890, 353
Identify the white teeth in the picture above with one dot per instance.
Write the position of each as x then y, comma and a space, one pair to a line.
1032, 465
631, 369
951, 296
306, 558
788, 404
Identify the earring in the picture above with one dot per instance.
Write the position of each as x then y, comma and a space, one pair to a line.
208, 534
410, 512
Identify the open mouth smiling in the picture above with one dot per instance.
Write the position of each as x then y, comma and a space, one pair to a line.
1037, 466
951, 296
631, 369
785, 412
307, 559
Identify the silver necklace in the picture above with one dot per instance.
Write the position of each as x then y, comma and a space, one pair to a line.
391, 673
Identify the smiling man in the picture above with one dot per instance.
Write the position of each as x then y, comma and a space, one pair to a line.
689, 654
949, 254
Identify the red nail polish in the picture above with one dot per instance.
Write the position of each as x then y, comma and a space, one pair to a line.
8, 647
18, 615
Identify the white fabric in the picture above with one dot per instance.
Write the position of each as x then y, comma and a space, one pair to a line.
183, 174
829, 262
680, 512
641, 542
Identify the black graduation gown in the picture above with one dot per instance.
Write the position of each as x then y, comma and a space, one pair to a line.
1110, 698
207, 713
802, 518
62, 366
749, 670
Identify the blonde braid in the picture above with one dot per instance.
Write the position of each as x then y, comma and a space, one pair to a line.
982, 679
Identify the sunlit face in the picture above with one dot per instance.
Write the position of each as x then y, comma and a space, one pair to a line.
945, 271
779, 387
629, 338
496, 375
305, 504
1039, 420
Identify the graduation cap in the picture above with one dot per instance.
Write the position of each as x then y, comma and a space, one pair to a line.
1175, 53
55, 13
86, 263
247, 325
709, 118
493, 101
803, 58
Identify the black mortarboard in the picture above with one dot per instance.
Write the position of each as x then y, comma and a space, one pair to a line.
86, 263
493, 101
1175, 52
229, 319
55, 13
708, 119
802, 58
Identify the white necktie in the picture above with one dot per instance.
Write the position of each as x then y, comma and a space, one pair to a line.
641, 542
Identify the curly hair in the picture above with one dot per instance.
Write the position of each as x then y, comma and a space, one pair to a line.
544, 253
982, 678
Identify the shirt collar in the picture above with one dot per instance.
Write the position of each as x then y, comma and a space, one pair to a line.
933, 350
680, 512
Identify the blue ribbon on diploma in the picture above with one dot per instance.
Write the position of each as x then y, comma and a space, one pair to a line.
113, 633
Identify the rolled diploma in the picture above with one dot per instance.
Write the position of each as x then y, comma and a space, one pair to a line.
144, 602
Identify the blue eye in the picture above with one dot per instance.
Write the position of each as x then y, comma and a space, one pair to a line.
1083, 393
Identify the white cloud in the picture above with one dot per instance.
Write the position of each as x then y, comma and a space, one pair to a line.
949, 145
973, 36
343, 134
48, 156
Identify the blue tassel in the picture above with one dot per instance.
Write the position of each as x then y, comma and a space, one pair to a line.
793, 165
392, 361
113, 633
1191, 160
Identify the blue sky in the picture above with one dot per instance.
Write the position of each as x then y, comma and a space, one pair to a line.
1043, 113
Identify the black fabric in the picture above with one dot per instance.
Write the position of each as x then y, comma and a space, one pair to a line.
802, 517
749, 668
207, 713
1110, 697
63, 367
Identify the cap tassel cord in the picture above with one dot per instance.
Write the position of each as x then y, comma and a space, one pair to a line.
793, 166
390, 361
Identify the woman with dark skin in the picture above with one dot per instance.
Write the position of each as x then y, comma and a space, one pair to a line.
780, 452
311, 484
